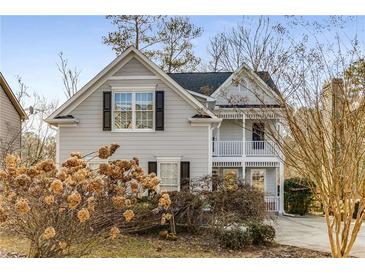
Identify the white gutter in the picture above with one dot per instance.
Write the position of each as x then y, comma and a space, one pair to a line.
62, 121
205, 120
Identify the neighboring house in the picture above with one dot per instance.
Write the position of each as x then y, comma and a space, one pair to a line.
11, 117
179, 125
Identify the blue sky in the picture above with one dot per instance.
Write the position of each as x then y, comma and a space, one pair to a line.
29, 46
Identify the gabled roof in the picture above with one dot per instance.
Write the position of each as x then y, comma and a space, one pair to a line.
5, 86
266, 77
75, 99
262, 78
202, 82
207, 82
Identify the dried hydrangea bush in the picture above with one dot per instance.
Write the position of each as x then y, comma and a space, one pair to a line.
61, 210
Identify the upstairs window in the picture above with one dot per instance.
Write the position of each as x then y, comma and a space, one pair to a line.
133, 111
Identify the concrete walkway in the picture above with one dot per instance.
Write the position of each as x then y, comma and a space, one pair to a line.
311, 232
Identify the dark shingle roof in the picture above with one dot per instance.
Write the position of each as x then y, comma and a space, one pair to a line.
203, 82
264, 75
207, 82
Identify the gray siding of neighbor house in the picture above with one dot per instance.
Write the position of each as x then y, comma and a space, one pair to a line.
10, 125
179, 138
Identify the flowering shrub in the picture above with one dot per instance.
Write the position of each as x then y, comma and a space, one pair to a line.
57, 210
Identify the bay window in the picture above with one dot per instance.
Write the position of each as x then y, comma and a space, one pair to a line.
133, 111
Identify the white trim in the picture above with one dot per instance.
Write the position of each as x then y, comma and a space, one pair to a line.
87, 87
115, 88
133, 129
169, 160
134, 77
63, 121
199, 122
261, 83
208, 98
111, 68
58, 164
281, 194
210, 150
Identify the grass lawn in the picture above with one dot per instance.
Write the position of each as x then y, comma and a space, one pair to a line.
150, 246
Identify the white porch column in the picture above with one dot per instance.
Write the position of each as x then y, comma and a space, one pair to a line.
281, 172
243, 135
243, 156
281, 181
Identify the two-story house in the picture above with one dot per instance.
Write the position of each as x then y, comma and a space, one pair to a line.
180, 125
11, 117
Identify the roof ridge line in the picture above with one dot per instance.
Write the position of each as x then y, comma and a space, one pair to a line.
199, 72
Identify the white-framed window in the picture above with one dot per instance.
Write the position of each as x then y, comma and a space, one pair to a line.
94, 163
233, 171
258, 178
133, 111
168, 170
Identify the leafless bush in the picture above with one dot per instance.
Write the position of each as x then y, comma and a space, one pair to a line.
60, 211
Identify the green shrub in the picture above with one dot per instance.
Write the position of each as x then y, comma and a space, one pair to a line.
297, 195
235, 238
261, 233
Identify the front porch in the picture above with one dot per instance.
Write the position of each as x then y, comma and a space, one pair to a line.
264, 176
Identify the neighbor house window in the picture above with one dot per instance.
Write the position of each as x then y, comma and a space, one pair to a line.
169, 173
258, 179
133, 110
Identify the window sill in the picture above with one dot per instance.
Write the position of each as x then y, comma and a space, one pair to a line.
132, 130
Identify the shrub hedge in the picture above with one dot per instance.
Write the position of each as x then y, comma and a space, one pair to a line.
297, 196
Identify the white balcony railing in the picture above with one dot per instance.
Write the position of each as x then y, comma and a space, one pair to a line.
240, 148
260, 148
272, 203
228, 148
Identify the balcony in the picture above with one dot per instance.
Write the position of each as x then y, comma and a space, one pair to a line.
247, 148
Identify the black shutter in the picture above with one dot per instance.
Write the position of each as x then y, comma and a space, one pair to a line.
152, 167
107, 111
160, 105
184, 176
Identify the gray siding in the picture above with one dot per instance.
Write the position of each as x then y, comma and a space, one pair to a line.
178, 139
10, 126
247, 93
249, 123
133, 68
231, 130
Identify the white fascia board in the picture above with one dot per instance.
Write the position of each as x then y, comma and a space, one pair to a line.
57, 122
257, 79
208, 98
